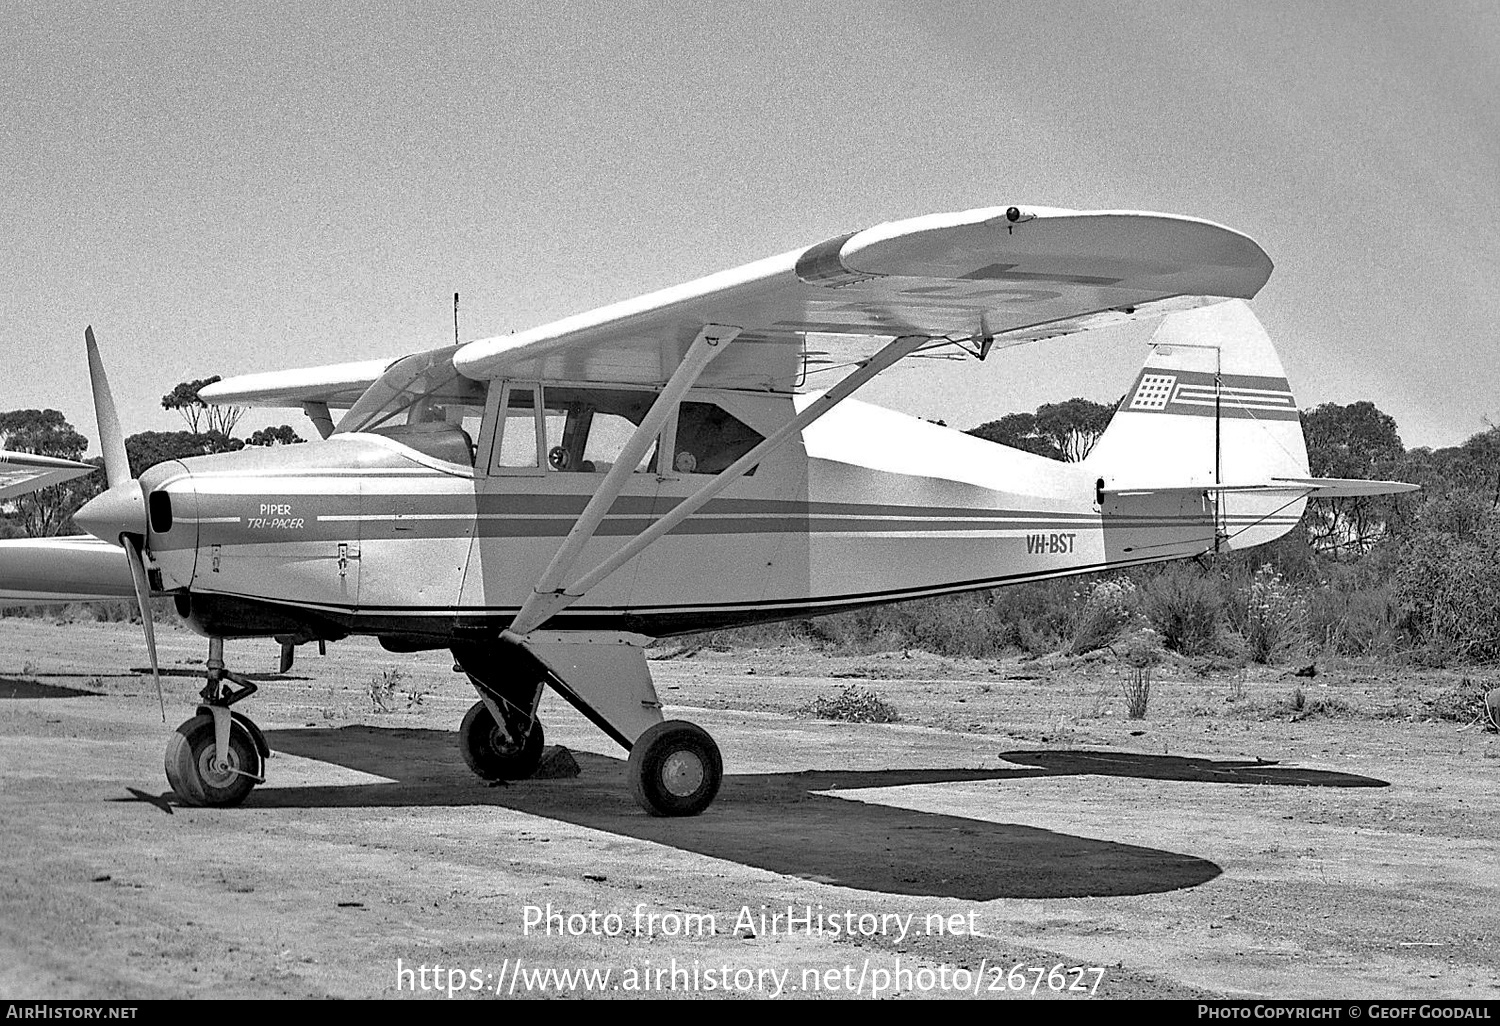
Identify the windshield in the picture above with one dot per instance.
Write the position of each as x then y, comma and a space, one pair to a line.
423, 388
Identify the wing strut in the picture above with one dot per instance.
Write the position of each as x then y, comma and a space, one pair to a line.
711, 341
317, 411
549, 599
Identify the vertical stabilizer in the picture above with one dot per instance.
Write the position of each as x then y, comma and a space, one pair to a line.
1211, 407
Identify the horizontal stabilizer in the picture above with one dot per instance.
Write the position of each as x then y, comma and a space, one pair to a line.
1309, 487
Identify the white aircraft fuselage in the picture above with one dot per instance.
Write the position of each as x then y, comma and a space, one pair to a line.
359, 534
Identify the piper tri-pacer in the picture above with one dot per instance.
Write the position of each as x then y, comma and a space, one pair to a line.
546, 503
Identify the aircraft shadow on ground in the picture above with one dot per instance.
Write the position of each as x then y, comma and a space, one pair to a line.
1180, 767
776, 821
12, 687
781, 822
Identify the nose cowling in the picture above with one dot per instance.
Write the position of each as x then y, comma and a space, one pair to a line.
120, 510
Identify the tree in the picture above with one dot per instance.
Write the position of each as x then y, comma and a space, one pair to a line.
41, 433
1017, 430
1074, 426
149, 448
47, 511
1472, 467
280, 435
1356, 441
200, 414
1060, 431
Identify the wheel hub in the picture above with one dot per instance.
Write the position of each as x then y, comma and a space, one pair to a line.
503, 744
212, 773
682, 773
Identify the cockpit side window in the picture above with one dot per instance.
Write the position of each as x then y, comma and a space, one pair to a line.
517, 427
587, 428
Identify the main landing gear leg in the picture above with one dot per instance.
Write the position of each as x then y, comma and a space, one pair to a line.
675, 768
501, 737
219, 755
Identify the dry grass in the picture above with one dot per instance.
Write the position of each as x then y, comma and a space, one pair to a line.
853, 704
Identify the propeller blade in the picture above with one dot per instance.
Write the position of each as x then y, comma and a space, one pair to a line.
143, 599
111, 439
117, 471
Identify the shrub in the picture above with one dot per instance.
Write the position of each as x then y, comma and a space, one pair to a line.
1108, 609
1301, 707
382, 690
1353, 621
1464, 702
1186, 610
1140, 652
1445, 584
1275, 617
853, 704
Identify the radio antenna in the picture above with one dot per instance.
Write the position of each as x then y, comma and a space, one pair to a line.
455, 318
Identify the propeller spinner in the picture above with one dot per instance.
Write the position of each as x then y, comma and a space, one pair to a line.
118, 516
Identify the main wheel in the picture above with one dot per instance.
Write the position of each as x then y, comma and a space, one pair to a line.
190, 764
675, 769
491, 752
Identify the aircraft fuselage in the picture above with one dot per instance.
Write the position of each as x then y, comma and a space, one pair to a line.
362, 534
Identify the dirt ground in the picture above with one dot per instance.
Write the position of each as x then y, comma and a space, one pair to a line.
1229, 844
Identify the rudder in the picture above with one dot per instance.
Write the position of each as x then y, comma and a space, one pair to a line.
1211, 407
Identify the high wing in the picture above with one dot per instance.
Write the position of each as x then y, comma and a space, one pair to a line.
22, 472
336, 385
975, 277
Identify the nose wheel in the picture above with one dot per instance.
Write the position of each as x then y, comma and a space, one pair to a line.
675, 769
217, 757
197, 772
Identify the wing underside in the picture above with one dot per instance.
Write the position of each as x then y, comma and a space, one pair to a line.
22, 472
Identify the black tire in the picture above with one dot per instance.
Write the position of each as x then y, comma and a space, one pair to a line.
189, 764
675, 769
491, 752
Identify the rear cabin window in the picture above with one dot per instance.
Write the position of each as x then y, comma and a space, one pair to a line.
710, 438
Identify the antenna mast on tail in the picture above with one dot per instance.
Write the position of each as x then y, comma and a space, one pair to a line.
1219, 533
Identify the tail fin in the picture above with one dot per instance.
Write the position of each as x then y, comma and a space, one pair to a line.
1211, 410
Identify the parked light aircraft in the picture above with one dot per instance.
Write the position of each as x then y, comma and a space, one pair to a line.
546, 503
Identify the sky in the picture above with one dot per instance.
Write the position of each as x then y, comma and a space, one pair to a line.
230, 188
